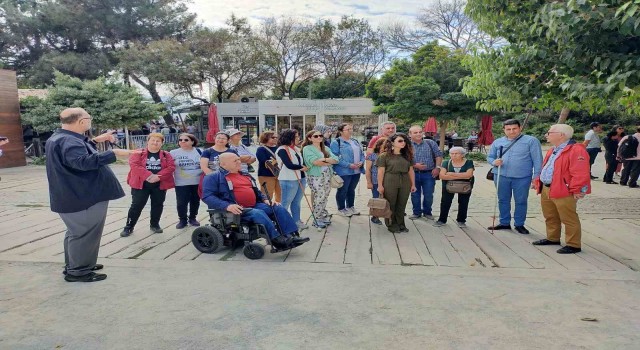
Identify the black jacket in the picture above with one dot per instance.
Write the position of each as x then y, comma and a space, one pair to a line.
78, 175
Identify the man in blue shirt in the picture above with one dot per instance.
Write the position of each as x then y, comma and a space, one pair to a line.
518, 166
428, 158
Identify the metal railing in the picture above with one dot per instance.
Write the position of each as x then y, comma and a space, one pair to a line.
140, 141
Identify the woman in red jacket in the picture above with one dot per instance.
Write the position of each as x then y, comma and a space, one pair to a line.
151, 175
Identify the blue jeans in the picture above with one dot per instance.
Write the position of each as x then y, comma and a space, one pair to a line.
374, 191
520, 190
425, 185
292, 195
346, 195
262, 214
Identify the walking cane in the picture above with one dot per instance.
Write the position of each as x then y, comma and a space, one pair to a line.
495, 207
264, 188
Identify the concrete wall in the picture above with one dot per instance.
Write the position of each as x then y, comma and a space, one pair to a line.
10, 126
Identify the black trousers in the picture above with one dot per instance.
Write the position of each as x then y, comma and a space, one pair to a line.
445, 205
139, 200
593, 153
612, 165
187, 197
630, 172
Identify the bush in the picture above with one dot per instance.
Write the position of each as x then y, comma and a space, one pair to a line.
38, 160
477, 156
169, 146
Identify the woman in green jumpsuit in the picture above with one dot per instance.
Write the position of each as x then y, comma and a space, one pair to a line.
396, 179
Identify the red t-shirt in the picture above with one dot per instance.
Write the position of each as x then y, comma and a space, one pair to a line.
242, 190
372, 143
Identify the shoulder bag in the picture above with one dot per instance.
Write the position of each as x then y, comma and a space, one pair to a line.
458, 186
490, 173
272, 164
380, 208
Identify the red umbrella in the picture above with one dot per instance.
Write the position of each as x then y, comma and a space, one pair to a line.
485, 136
431, 125
214, 126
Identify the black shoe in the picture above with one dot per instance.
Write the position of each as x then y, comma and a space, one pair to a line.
181, 224
300, 240
545, 241
393, 229
375, 220
156, 229
96, 267
633, 186
90, 277
568, 250
282, 242
623, 183
611, 183
499, 227
593, 177
404, 229
194, 222
522, 230
126, 232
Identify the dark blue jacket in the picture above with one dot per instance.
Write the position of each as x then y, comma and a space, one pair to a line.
78, 175
216, 193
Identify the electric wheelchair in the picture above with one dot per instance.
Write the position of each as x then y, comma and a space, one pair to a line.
227, 229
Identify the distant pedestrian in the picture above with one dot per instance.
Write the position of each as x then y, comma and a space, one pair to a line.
520, 162
81, 184
630, 161
592, 142
458, 168
187, 178
610, 143
150, 176
563, 181
349, 168
396, 179
427, 158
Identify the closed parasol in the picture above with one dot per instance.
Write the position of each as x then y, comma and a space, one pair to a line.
485, 136
214, 125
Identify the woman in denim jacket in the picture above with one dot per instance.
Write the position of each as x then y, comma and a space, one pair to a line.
349, 168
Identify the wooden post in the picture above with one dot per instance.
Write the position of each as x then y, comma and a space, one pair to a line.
10, 125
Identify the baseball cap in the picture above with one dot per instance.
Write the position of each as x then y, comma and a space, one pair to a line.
232, 132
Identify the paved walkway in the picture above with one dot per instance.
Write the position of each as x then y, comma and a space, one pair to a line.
354, 286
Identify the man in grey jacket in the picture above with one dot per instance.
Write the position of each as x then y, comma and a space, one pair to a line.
81, 184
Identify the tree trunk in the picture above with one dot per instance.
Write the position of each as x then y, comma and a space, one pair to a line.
564, 114
443, 131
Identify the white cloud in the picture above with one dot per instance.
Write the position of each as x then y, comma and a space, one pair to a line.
215, 13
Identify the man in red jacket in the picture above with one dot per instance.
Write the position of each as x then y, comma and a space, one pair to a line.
564, 179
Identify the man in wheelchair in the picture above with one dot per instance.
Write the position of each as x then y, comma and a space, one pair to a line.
231, 190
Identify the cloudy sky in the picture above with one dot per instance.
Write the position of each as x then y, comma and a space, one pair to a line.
214, 13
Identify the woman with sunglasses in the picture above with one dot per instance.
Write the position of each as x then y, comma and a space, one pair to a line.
396, 179
187, 177
267, 153
349, 168
318, 158
371, 172
292, 174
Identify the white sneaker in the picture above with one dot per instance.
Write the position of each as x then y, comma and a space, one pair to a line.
353, 211
345, 212
301, 225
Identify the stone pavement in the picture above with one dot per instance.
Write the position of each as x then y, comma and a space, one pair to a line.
355, 285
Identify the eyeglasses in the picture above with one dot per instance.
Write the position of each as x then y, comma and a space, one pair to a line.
317, 136
184, 140
553, 132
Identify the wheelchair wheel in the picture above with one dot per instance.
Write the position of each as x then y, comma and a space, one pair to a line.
206, 239
253, 251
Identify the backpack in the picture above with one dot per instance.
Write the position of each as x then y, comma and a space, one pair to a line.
629, 147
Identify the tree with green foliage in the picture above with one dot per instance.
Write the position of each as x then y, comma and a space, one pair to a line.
111, 104
575, 54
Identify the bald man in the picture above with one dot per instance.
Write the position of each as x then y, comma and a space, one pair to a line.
81, 184
234, 191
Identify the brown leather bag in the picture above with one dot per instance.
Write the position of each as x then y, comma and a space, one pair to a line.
380, 208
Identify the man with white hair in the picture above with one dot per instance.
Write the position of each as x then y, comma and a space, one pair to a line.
386, 129
565, 178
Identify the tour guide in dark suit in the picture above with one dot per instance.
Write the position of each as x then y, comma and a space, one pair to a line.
229, 189
80, 187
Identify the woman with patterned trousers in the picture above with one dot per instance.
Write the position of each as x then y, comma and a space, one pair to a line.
318, 159
396, 179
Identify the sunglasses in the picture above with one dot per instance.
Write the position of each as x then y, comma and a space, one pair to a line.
317, 136
184, 140
399, 140
274, 137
